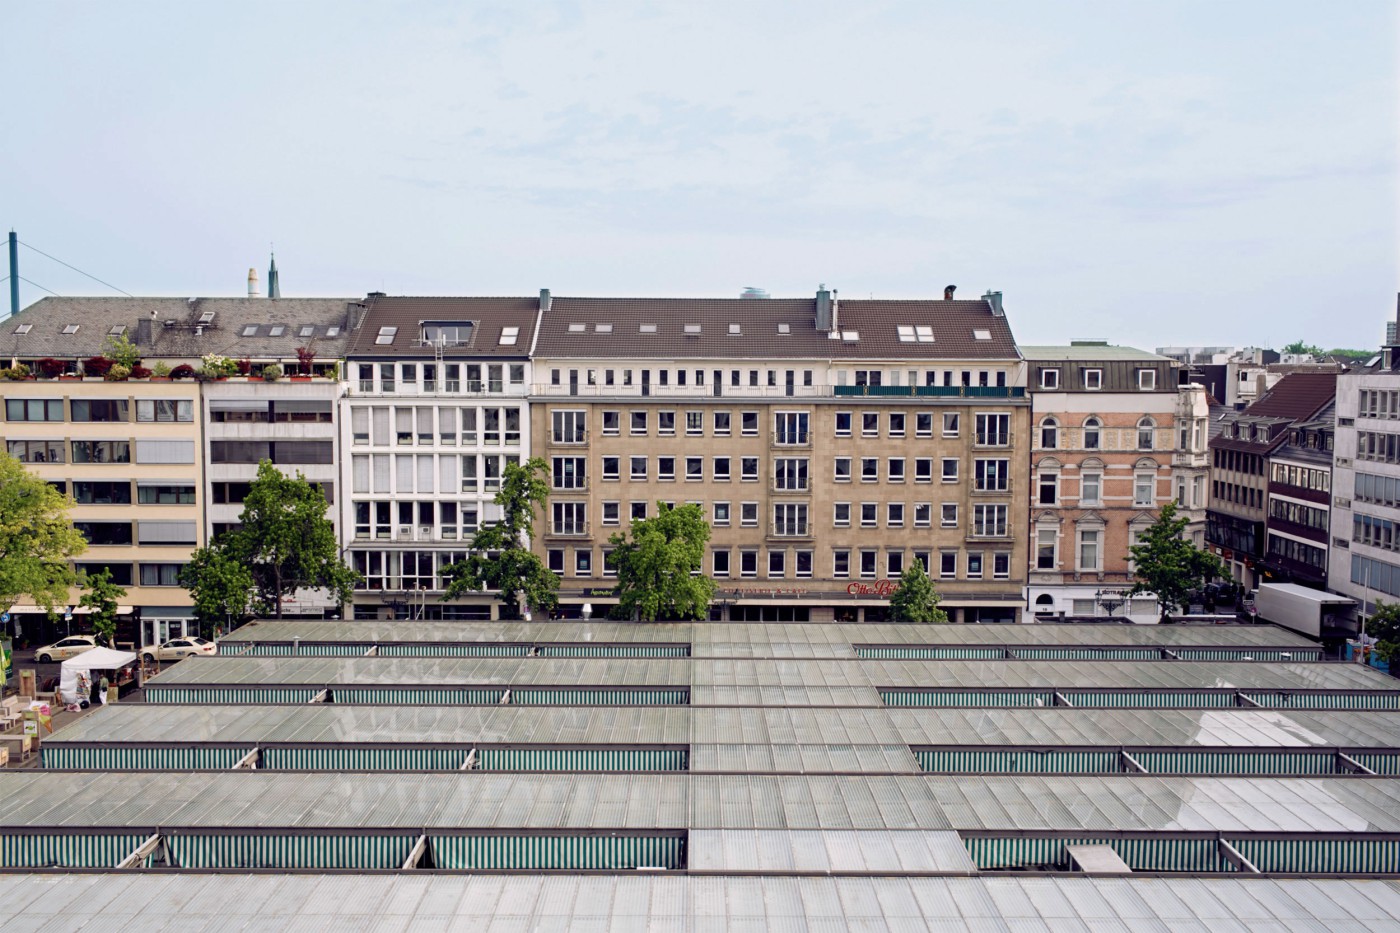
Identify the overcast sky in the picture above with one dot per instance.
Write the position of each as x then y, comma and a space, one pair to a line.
1152, 173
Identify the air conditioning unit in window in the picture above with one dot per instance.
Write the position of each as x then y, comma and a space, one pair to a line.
425, 532
405, 533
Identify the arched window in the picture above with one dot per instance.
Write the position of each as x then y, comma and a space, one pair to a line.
1146, 433
1049, 433
1092, 428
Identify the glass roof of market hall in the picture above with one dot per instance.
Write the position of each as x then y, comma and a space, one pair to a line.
714, 775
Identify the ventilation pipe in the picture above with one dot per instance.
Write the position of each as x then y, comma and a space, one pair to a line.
14, 273
546, 301
948, 292
994, 299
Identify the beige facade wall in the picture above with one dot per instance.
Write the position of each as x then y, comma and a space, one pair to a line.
915, 528
145, 449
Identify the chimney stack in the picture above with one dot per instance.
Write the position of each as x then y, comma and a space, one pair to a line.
994, 299
948, 292
546, 301
826, 317
252, 283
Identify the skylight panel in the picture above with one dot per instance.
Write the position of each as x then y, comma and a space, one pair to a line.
333, 330
735, 329
386, 336
602, 328
982, 335
850, 336
646, 328
250, 330
24, 329
925, 333
784, 328
509, 336
906, 333
578, 328
692, 328
206, 317
71, 328
306, 331
277, 330
116, 330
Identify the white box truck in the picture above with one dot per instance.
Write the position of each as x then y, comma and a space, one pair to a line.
1311, 612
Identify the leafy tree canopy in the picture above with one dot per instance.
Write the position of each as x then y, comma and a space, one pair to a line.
1169, 566
37, 538
220, 585
500, 557
1299, 346
286, 543
916, 599
657, 560
101, 595
1384, 626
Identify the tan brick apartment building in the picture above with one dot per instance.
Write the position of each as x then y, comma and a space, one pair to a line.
1104, 441
830, 442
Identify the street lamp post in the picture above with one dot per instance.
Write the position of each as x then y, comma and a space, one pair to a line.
1109, 601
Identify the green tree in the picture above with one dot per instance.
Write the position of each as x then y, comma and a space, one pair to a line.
37, 538
121, 351
916, 599
101, 595
657, 560
220, 585
1169, 566
500, 557
1384, 626
1298, 346
286, 543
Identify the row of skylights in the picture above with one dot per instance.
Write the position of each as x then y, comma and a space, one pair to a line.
915, 333
735, 330
597, 328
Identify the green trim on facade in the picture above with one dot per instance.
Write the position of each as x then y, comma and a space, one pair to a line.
557, 852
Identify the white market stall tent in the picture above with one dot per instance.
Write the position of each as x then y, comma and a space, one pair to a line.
98, 659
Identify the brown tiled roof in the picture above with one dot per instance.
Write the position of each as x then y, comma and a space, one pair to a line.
488, 315
875, 322
1297, 396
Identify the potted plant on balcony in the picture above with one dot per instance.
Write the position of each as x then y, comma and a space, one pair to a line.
16, 373
160, 372
216, 368
118, 372
271, 372
245, 367
95, 367
306, 357
50, 368
140, 372
183, 371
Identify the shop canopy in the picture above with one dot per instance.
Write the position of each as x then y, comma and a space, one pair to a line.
99, 659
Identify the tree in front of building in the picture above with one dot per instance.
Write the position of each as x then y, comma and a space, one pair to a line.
221, 587
1168, 566
916, 599
658, 562
500, 558
37, 538
1384, 627
101, 596
285, 541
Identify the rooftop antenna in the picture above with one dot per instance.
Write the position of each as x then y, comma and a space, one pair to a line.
14, 273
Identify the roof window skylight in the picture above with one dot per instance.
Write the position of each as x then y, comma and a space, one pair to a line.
736, 329
850, 336
333, 330
646, 328
906, 333
602, 328
206, 317
509, 336
306, 331
578, 328
924, 333
692, 328
71, 328
386, 336
277, 330
250, 330
982, 335
24, 329
784, 328
116, 330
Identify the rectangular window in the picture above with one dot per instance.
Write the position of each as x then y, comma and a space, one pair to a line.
36, 451
1147, 380
802, 565
789, 473
638, 510
952, 423
666, 423
896, 470
1089, 549
777, 561
610, 468
790, 519
949, 515
638, 424
950, 469
569, 518
989, 521
1049, 378
168, 495
841, 564
568, 427
99, 409
923, 514
638, 469
34, 409
666, 469
843, 424
1144, 488
993, 430
974, 565
869, 469
102, 492
843, 469
158, 532
748, 514
867, 563
923, 469
748, 469
748, 563
923, 424
1090, 489
721, 424
894, 564
721, 469
894, 515
896, 426
104, 452
948, 565
869, 514
694, 423
1093, 379
720, 563
721, 515
160, 574
612, 512
991, 475
612, 423
1048, 489
870, 424
555, 557
748, 423
1045, 540
790, 428
841, 515
568, 473
1001, 565
694, 469
583, 562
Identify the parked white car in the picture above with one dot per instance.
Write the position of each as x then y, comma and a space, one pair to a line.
177, 648
65, 648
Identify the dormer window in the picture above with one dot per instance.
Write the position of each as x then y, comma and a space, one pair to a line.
448, 333
1049, 378
1147, 380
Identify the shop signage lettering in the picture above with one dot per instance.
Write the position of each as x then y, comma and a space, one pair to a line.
882, 588
766, 591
